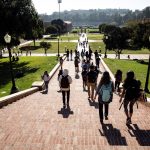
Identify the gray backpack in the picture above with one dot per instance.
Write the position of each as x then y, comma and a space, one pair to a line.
106, 92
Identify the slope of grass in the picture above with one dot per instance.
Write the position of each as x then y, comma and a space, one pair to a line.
139, 69
30, 67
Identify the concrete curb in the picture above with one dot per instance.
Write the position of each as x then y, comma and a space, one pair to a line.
16, 96
112, 76
107, 69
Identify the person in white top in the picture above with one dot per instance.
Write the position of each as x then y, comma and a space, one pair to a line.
46, 79
64, 81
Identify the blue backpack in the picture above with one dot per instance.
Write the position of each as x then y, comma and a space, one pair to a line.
106, 93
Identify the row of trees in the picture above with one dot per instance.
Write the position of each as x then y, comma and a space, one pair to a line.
133, 36
96, 16
20, 19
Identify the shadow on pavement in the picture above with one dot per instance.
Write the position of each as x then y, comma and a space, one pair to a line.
142, 136
93, 103
65, 112
112, 135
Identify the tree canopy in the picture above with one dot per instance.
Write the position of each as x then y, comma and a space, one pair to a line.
20, 19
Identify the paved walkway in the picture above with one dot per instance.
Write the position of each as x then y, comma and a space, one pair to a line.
38, 122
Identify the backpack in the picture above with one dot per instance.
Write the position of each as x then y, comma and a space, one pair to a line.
106, 92
76, 62
64, 82
132, 92
84, 66
92, 76
84, 75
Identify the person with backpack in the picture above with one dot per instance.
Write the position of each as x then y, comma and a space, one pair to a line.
84, 78
131, 93
91, 82
64, 81
104, 91
46, 79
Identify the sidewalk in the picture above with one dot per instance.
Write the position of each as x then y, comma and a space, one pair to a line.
38, 122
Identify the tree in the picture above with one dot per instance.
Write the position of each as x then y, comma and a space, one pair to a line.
59, 24
46, 46
116, 39
19, 19
51, 30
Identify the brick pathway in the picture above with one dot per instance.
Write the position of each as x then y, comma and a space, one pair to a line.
38, 122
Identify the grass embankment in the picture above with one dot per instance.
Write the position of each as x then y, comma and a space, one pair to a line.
30, 67
139, 69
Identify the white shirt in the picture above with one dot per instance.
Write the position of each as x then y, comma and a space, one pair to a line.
46, 78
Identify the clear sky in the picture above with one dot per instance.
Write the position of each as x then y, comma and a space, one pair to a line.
49, 6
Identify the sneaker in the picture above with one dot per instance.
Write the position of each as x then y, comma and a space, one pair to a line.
128, 121
106, 117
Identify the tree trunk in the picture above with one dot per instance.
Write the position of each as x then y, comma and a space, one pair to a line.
34, 42
1, 54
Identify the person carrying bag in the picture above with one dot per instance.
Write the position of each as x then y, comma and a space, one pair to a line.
104, 91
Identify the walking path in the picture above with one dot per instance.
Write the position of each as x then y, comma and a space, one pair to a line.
38, 122
122, 56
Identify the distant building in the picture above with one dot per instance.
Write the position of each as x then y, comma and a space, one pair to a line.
68, 26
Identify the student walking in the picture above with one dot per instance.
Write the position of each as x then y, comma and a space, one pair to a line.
84, 78
64, 81
61, 62
97, 60
131, 93
118, 79
46, 79
91, 82
71, 55
104, 91
76, 64
67, 54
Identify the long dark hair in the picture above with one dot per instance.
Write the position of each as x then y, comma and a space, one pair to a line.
105, 78
129, 77
46, 73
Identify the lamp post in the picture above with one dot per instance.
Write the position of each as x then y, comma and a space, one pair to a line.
105, 56
7, 39
147, 76
59, 1
58, 48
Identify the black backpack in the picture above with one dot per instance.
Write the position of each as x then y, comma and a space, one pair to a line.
64, 82
84, 75
92, 76
132, 92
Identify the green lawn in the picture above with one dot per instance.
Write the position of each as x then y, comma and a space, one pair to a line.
70, 36
54, 48
95, 36
31, 67
97, 45
126, 65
